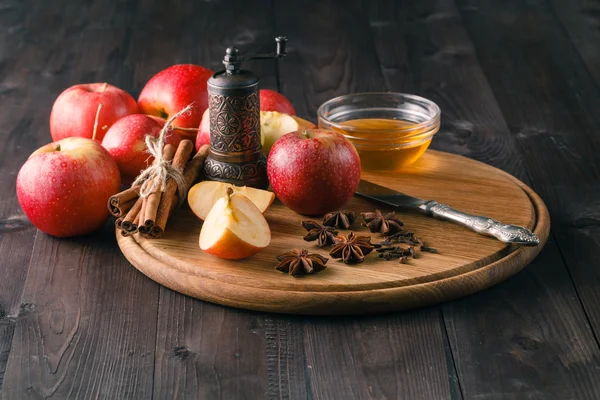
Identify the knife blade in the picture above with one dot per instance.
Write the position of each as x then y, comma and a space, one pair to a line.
388, 196
483, 225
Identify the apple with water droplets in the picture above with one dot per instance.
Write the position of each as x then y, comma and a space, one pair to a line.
74, 111
313, 171
126, 143
173, 89
271, 100
64, 186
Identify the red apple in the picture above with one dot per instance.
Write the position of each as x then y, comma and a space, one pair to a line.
271, 100
126, 143
204, 131
313, 171
174, 88
64, 186
74, 111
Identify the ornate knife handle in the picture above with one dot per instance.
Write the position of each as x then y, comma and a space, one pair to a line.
483, 225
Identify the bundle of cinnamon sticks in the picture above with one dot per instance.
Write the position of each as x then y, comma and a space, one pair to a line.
148, 216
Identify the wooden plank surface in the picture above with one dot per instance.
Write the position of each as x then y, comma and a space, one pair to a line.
519, 90
334, 55
580, 20
26, 101
202, 350
555, 128
578, 236
442, 64
73, 336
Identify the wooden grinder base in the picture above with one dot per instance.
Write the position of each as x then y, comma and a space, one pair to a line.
466, 263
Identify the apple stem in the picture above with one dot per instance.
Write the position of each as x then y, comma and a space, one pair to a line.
104, 86
305, 134
96, 121
228, 194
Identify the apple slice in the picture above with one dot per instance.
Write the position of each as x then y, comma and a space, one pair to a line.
274, 125
203, 196
234, 228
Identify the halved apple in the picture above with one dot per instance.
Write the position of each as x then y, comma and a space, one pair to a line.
234, 228
202, 196
274, 125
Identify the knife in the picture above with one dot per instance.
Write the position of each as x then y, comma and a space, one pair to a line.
482, 225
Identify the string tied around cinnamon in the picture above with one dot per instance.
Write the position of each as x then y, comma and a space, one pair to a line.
155, 177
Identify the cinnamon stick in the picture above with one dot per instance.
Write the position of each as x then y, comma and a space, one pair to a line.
152, 203
134, 229
120, 209
136, 224
190, 175
123, 197
142, 213
128, 222
120, 203
194, 168
148, 217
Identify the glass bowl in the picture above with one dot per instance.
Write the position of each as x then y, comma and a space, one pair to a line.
389, 130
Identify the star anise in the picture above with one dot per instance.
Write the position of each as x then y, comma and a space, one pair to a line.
324, 235
339, 219
351, 248
386, 224
299, 262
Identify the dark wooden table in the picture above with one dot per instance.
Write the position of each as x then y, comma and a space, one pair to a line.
519, 86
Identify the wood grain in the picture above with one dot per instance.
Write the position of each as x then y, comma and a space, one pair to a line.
437, 60
289, 373
329, 57
553, 359
207, 351
331, 28
26, 100
580, 19
531, 52
528, 337
377, 357
575, 187
441, 63
203, 350
73, 336
374, 286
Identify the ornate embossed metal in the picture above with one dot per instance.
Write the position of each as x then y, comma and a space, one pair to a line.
483, 225
235, 154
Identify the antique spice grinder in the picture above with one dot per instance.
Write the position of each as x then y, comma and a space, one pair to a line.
235, 154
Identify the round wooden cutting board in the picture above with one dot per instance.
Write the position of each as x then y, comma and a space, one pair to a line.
466, 263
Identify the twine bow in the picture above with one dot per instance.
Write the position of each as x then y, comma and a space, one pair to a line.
155, 177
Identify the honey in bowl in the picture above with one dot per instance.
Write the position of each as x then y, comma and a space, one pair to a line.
377, 152
389, 130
